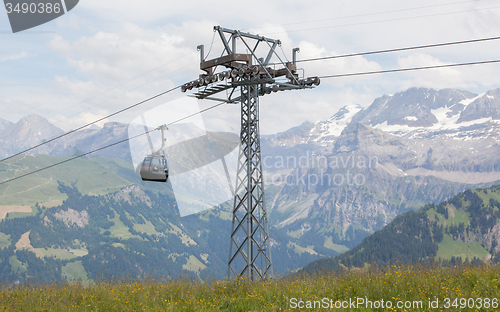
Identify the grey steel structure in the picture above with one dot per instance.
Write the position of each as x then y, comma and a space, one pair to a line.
252, 76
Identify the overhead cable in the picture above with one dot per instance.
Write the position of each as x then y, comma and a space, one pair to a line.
400, 49
94, 122
407, 69
110, 145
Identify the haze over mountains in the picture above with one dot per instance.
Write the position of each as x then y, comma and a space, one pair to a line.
33, 130
331, 183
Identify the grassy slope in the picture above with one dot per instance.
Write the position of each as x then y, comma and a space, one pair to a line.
4, 240
91, 176
449, 248
119, 229
75, 271
413, 284
339, 248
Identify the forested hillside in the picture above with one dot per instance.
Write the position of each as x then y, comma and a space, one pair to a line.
132, 232
464, 228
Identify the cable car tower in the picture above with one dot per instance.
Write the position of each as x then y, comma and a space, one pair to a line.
252, 76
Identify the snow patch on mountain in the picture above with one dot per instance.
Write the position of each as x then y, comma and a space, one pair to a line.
444, 123
333, 126
466, 102
447, 123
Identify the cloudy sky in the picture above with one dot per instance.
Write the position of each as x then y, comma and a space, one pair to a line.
105, 55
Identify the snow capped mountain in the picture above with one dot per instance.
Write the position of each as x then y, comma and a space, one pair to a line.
449, 134
330, 129
425, 118
417, 113
486, 106
413, 107
322, 133
430, 114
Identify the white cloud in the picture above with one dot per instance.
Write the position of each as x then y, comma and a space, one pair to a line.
336, 66
448, 77
13, 57
434, 78
112, 57
83, 118
81, 89
71, 21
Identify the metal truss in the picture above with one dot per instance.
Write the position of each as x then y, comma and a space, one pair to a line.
250, 252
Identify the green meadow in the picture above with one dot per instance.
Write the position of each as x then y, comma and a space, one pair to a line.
462, 288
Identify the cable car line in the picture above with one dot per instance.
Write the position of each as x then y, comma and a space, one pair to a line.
325, 76
408, 69
73, 158
400, 49
110, 145
304, 60
221, 103
94, 122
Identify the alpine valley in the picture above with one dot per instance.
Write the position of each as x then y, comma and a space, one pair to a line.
329, 185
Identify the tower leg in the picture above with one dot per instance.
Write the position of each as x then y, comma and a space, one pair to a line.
250, 254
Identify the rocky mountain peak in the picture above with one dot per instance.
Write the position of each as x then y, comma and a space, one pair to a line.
357, 136
30, 129
486, 106
350, 137
413, 107
27, 132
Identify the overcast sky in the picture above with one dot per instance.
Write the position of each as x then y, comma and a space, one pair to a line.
105, 55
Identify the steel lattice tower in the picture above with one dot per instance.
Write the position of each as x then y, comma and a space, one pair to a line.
250, 252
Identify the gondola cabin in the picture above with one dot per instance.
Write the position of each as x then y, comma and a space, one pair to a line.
154, 168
